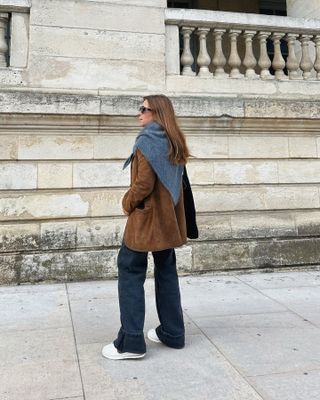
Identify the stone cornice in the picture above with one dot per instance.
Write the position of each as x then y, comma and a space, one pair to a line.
233, 106
15, 5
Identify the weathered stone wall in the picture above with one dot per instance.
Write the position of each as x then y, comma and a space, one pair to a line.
256, 185
67, 122
85, 45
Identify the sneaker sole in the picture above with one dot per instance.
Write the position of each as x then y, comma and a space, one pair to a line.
123, 357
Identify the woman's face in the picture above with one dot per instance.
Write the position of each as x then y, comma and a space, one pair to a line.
145, 114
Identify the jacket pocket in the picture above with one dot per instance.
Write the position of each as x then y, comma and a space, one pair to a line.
144, 206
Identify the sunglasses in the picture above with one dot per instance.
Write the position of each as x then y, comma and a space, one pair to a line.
143, 109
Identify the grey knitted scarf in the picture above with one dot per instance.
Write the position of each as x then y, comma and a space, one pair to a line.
153, 143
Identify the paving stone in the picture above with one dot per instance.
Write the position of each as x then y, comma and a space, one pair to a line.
198, 371
304, 301
224, 296
280, 280
300, 386
39, 364
33, 308
274, 343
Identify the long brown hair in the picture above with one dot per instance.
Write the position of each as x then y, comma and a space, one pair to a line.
163, 114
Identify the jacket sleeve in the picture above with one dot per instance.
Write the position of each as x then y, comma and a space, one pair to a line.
142, 185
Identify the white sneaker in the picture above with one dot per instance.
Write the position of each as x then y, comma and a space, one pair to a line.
152, 335
111, 352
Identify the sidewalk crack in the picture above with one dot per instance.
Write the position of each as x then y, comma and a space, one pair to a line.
75, 342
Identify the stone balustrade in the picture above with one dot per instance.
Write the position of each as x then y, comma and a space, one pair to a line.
235, 45
4, 19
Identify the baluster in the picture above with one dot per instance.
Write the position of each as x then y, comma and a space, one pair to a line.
219, 60
264, 60
316, 40
249, 60
306, 64
186, 56
278, 62
292, 62
203, 59
234, 60
4, 17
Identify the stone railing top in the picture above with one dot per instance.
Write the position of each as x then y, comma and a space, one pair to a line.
197, 18
15, 5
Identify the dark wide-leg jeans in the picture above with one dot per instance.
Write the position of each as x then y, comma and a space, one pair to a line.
132, 269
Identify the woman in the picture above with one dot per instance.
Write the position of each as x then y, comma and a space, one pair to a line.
156, 223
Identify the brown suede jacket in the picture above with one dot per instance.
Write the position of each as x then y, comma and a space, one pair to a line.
154, 223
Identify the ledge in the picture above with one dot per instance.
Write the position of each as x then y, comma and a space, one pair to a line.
221, 19
186, 105
15, 5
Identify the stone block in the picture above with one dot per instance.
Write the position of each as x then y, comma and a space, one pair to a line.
296, 8
11, 77
184, 260
214, 227
221, 256
19, 43
282, 108
102, 174
299, 171
200, 172
275, 253
8, 147
58, 235
318, 146
42, 206
206, 146
54, 175
18, 176
294, 88
104, 202
193, 106
302, 147
93, 74
245, 225
47, 103
258, 147
209, 85
245, 172
308, 223
100, 232
291, 197
19, 237
55, 147
115, 16
228, 199
68, 266
95, 44
113, 147
9, 269
15, 5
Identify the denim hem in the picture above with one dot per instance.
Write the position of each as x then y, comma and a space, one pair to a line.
130, 343
176, 342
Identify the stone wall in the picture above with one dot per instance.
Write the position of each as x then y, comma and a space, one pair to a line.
255, 178
67, 122
86, 45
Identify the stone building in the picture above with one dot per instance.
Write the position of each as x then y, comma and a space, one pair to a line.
244, 77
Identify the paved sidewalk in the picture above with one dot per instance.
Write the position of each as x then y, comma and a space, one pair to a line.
249, 337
